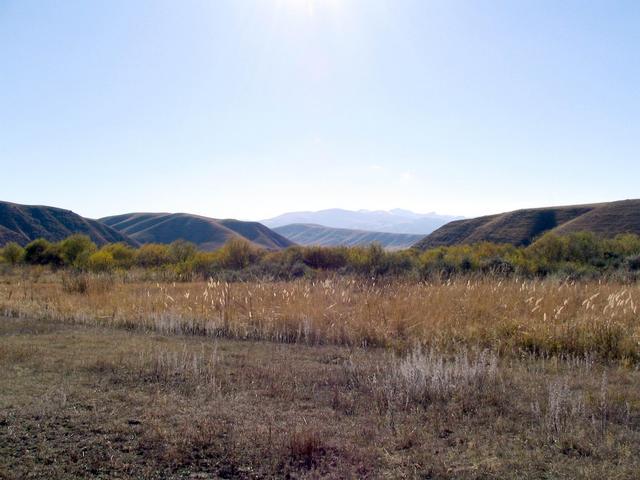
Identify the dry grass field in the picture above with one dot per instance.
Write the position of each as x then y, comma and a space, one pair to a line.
117, 377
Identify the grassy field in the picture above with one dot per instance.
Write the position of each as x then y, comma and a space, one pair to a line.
113, 377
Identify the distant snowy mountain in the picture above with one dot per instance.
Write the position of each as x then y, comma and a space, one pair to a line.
392, 221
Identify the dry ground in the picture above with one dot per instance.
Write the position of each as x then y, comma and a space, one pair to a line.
81, 401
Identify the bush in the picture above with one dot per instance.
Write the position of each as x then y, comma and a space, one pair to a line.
123, 255
13, 253
42, 252
204, 264
371, 261
324, 258
152, 255
497, 266
76, 250
182, 251
101, 261
633, 263
548, 249
237, 254
583, 247
286, 264
402, 262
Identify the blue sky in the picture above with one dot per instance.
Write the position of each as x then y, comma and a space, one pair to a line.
250, 108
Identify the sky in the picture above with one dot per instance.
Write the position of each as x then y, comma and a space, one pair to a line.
251, 108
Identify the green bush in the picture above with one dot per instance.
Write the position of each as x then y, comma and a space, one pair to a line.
43, 252
123, 255
372, 260
101, 261
182, 251
204, 264
152, 255
13, 253
76, 250
576, 255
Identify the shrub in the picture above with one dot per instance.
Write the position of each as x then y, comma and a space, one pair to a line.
324, 258
101, 261
583, 247
372, 260
548, 248
426, 376
625, 244
42, 252
123, 255
633, 263
237, 254
182, 251
152, 255
402, 262
76, 249
497, 266
13, 253
284, 265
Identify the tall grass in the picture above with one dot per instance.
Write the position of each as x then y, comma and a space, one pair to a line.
509, 316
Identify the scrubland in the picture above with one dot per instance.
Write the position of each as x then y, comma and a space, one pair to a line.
506, 315
115, 376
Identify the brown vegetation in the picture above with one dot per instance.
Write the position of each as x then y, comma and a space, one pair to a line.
110, 375
507, 316
79, 402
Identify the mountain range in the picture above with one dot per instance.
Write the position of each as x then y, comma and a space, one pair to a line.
309, 234
24, 223
392, 221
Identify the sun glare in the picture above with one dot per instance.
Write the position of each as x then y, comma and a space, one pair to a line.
310, 7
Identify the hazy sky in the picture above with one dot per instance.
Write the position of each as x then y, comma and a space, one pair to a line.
250, 108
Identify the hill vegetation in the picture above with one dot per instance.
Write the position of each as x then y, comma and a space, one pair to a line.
318, 235
575, 255
24, 223
206, 233
522, 227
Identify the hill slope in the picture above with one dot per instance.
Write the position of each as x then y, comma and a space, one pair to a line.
521, 227
24, 223
307, 234
206, 233
393, 221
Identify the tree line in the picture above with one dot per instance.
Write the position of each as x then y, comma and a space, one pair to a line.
574, 255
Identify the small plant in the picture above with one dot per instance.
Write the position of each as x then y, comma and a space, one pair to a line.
305, 448
427, 375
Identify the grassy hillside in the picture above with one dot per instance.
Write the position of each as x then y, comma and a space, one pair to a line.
521, 227
206, 233
309, 234
24, 223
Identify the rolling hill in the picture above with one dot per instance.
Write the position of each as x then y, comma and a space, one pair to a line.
521, 227
24, 223
392, 221
206, 233
308, 234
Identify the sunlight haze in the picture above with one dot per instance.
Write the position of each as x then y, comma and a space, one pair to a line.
249, 109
